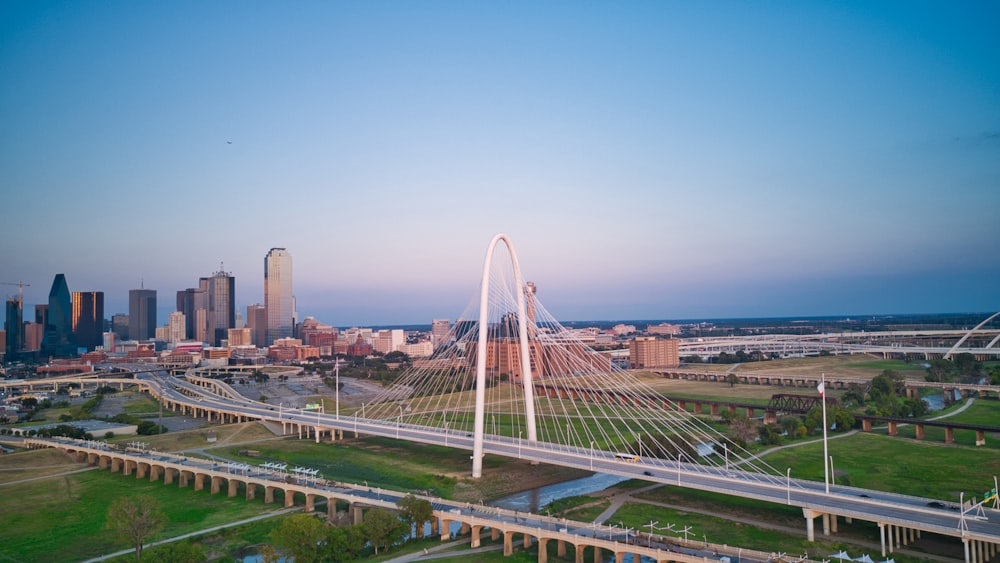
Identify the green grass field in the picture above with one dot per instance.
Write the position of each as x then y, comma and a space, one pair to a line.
62, 518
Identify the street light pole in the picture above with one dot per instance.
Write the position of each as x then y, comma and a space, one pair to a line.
591, 455
337, 383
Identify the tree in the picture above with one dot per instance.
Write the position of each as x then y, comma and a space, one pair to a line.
383, 528
732, 379
415, 512
302, 535
134, 519
343, 544
742, 430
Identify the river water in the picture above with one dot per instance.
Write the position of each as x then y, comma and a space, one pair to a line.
531, 500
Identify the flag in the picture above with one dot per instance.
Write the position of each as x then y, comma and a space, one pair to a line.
821, 388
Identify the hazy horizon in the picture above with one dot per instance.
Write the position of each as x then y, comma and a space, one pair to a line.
649, 160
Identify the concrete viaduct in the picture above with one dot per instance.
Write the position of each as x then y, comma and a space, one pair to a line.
449, 518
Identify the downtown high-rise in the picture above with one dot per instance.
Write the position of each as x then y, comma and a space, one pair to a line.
141, 314
88, 318
221, 291
58, 339
278, 301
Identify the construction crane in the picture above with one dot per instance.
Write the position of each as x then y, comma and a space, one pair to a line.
20, 291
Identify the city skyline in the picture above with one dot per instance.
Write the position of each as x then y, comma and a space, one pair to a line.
649, 160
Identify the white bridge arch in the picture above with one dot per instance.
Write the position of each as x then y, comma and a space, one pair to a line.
522, 330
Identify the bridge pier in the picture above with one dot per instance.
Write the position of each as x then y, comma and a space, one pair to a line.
251, 491
809, 515
234, 487
475, 536
310, 502
358, 517
268, 495
508, 543
543, 552
289, 498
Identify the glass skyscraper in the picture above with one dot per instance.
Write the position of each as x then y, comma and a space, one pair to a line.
278, 294
141, 314
88, 318
58, 340
221, 289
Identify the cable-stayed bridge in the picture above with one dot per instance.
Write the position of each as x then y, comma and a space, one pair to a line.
478, 392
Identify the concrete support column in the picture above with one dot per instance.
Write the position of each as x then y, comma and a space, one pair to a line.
598, 558
465, 529
216, 484
543, 550
833, 523
115, 464
316, 432
251, 491
358, 515
888, 533
289, 498
310, 502
199, 481
168, 475
578, 552
234, 487
435, 526
140, 470
810, 527
183, 478
527, 540
561, 548
826, 524
619, 557
508, 543
154, 472
268, 495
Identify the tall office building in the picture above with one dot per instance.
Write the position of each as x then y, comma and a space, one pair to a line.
221, 291
193, 302
58, 340
177, 330
14, 326
278, 294
257, 323
119, 325
42, 314
439, 332
142, 314
88, 318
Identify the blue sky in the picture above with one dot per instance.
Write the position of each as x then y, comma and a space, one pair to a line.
648, 159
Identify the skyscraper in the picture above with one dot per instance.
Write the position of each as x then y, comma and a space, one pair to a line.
221, 291
14, 325
439, 331
193, 302
178, 327
88, 318
278, 294
58, 339
257, 323
141, 314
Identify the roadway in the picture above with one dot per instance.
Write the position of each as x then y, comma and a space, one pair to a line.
876, 506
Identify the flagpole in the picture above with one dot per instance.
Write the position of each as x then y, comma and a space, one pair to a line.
826, 454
